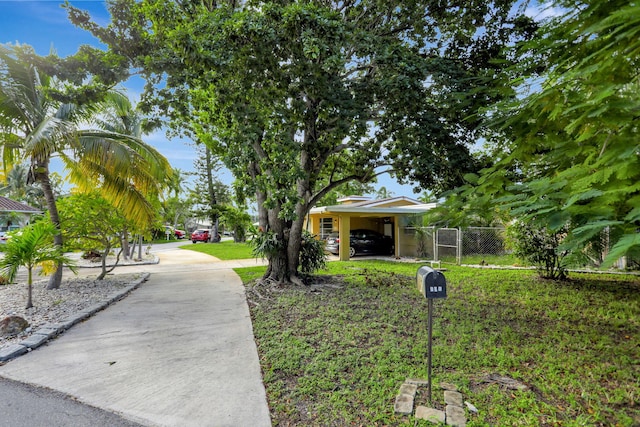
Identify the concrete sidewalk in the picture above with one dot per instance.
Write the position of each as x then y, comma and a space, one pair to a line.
178, 351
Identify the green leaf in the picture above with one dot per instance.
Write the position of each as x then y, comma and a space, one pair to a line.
622, 247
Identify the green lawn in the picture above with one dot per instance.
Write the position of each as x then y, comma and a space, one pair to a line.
225, 250
338, 355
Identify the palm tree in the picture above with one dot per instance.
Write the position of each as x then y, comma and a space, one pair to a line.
34, 127
30, 247
17, 187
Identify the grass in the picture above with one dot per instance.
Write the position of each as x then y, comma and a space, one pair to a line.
226, 250
336, 356
504, 260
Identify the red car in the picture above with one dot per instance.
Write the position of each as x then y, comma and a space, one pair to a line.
200, 235
179, 234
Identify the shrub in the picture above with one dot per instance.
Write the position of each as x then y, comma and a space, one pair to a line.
312, 255
540, 247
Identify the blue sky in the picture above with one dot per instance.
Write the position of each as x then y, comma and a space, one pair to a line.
44, 25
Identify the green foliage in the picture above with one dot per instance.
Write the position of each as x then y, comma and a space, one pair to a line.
346, 89
236, 220
18, 187
540, 247
352, 344
90, 223
30, 247
36, 126
312, 254
568, 151
424, 242
264, 243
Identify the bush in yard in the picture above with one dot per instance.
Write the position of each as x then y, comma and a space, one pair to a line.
539, 246
312, 255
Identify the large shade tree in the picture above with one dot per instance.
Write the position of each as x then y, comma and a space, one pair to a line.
299, 97
35, 127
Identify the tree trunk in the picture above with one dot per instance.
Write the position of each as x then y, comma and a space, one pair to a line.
30, 289
125, 243
103, 264
41, 174
213, 236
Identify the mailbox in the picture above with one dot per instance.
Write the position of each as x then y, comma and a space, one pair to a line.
431, 283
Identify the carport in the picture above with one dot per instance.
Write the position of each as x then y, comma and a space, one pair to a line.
387, 216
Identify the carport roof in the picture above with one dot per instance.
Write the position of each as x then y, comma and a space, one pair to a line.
377, 207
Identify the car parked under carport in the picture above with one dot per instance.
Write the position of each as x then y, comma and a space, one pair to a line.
362, 241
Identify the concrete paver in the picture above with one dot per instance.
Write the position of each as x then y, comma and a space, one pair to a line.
179, 351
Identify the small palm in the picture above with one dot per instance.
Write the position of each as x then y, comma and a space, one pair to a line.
30, 247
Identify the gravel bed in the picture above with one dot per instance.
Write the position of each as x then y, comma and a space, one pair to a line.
52, 306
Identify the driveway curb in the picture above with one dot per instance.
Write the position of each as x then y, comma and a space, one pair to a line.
49, 330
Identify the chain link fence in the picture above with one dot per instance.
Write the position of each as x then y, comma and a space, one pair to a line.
487, 245
458, 244
483, 241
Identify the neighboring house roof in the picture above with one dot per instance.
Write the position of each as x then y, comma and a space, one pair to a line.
8, 205
389, 206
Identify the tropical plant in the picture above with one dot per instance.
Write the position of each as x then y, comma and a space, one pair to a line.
346, 89
30, 247
236, 220
34, 127
18, 186
91, 224
312, 254
539, 246
570, 146
210, 195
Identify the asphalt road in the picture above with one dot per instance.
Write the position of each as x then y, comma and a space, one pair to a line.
23, 405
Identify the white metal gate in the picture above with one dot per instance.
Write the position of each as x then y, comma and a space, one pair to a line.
447, 243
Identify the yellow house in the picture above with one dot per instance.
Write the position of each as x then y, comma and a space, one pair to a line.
392, 217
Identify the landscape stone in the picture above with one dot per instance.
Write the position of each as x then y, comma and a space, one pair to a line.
416, 381
410, 389
34, 341
430, 414
510, 383
448, 386
11, 351
66, 324
455, 416
48, 330
95, 308
404, 404
471, 407
453, 398
12, 325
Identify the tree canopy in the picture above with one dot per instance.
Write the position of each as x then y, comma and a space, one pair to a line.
35, 126
570, 152
297, 98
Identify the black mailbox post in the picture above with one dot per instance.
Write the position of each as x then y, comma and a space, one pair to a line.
431, 284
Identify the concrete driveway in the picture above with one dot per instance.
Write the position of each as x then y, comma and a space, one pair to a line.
178, 351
